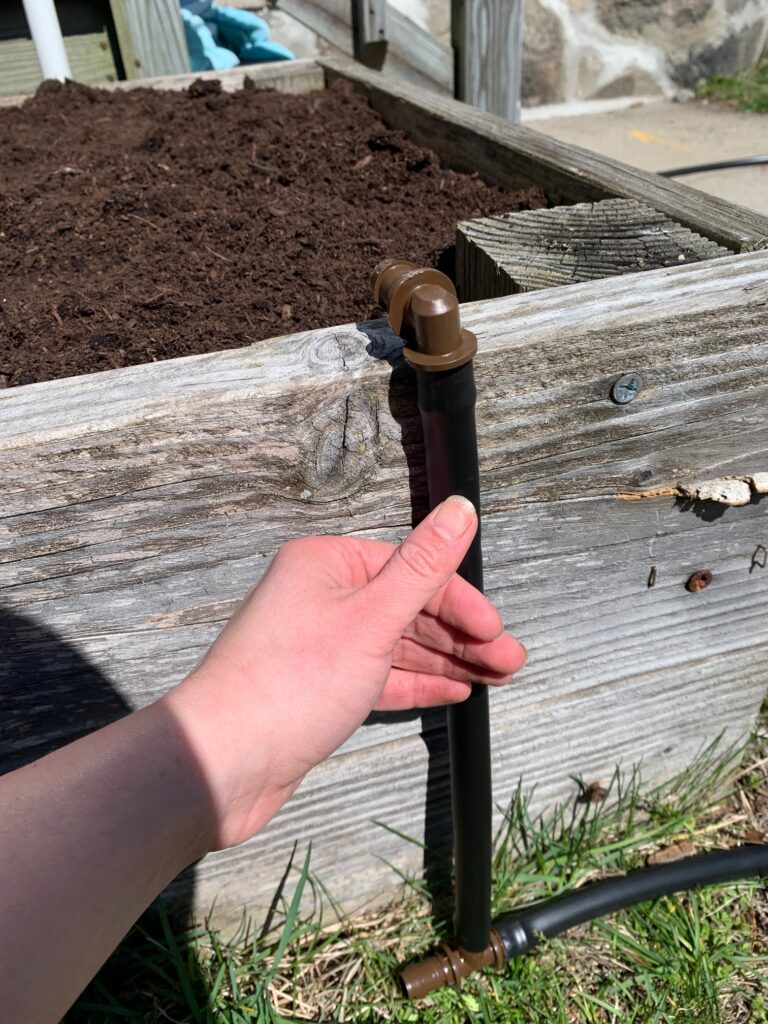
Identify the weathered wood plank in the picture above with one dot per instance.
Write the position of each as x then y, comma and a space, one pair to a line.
329, 19
487, 38
339, 805
139, 505
513, 157
151, 34
125, 41
417, 49
296, 76
413, 55
89, 54
522, 252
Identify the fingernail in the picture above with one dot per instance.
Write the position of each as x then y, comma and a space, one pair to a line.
454, 517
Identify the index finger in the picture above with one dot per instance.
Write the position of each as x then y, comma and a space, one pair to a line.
462, 606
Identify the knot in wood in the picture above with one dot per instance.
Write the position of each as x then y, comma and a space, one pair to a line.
335, 350
340, 446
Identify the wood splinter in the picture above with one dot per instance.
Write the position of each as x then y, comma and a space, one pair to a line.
726, 490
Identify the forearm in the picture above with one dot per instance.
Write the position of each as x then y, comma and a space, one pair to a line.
88, 837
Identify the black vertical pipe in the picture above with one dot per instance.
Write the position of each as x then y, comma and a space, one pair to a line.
446, 402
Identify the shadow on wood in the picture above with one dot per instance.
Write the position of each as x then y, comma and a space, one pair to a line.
52, 695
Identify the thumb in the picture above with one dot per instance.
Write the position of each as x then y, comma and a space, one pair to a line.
422, 564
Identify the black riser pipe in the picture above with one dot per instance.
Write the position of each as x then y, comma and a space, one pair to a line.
447, 405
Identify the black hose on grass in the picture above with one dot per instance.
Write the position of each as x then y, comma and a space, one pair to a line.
522, 929
518, 933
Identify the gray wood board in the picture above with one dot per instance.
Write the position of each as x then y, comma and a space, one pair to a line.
487, 38
413, 56
515, 157
348, 806
152, 35
89, 55
139, 505
295, 76
521, 252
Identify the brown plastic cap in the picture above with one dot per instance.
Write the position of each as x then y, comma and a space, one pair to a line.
419, 979
441, 343
423, 308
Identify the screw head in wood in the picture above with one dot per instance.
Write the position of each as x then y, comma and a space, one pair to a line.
699, 580
626, 388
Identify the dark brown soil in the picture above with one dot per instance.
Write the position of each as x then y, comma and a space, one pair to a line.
137, 226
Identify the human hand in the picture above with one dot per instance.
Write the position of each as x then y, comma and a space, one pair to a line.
336, 627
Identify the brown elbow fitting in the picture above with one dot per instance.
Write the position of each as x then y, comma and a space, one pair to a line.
448, 965
423, 309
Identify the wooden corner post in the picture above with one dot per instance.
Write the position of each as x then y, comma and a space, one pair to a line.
150, 34
487, 38
369, 31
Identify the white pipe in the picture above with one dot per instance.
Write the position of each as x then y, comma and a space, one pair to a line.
46, 34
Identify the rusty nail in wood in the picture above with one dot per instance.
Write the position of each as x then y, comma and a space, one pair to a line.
652, 577
759, 557
699, 580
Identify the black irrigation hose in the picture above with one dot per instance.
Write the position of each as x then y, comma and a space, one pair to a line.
446, 402
423, 309
718, 165
522, 929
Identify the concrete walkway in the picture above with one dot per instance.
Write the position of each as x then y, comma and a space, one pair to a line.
661, 135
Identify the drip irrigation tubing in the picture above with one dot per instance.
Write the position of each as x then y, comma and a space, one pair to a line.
521, 930
717, 165
423, 309
446, 401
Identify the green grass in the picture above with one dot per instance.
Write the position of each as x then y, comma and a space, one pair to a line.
747, 90
699, 957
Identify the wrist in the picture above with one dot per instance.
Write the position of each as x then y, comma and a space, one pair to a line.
231, 755
174, 789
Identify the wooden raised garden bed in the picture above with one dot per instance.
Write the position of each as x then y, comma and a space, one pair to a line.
140, 503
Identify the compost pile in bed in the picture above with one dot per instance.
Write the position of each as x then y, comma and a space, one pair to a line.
137, 226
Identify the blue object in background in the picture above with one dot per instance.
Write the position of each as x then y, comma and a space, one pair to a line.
204, 53
223, 37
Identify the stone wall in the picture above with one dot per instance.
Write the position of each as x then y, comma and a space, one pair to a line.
594, 49
599, 49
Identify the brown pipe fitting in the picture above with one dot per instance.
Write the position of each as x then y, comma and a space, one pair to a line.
423, 308
448, 965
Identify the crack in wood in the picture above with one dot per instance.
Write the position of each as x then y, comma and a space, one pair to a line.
734, 491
